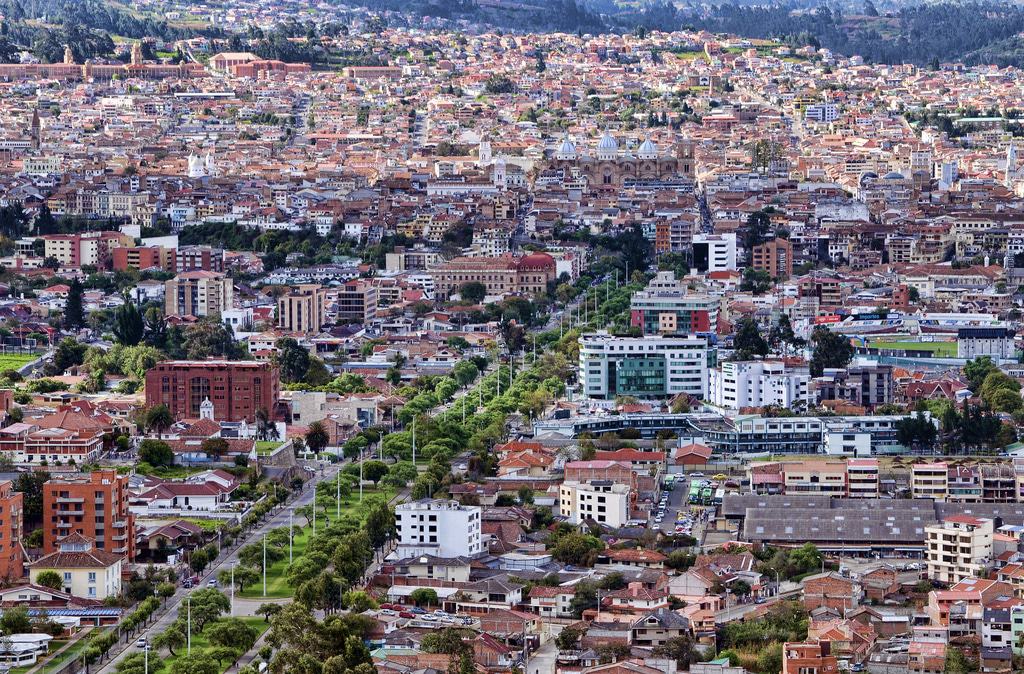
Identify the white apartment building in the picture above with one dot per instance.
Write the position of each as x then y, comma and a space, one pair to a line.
602, 501
755, 383
645, 367
959, 547
822, 112
714, 252
437, 527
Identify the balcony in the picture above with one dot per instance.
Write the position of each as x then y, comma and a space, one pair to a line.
122, 537
68, 499
121, 550
70, 512
63, 525
120, 524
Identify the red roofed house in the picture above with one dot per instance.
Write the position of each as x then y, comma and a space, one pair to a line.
691, 456
637, 459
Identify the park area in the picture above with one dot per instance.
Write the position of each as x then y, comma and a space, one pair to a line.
328, 511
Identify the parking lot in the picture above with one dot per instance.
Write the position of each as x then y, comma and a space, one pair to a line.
672, 514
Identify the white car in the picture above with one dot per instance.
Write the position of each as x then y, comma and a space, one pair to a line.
386, 611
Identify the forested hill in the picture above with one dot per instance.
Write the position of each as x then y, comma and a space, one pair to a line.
922, 33
972, 32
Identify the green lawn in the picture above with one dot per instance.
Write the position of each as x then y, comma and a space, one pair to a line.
166, 472
200, 643
264, 447
277, 587
13, 361
939, 349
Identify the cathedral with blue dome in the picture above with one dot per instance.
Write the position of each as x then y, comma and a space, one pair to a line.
607, 166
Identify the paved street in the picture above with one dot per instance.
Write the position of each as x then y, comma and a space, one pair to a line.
242, 606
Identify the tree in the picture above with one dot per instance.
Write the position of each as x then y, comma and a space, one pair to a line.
317, 437
957, 661
165, 591
358, 601
747, 340
831, 350
977, 370
156, 453
374, 471
424, 596
50, 579
756, 231
208, 605
679, 649
74, 311
473, 291
198, 561
577, 549
31, 486
232, 632
292, 359
129, 327
569, 637
756, 281
158, 418
171, 638
244, 576
449, 641
198, 662
215, 447
268, 610
15, 620
916, 431
380, 524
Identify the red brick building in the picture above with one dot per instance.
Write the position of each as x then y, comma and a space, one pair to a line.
95, 506
237, 389
809, 656
831, 590
12, 554
143, 257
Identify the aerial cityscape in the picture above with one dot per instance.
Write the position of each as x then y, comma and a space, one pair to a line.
526, 337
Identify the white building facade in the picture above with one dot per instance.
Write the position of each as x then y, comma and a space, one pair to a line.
437, 527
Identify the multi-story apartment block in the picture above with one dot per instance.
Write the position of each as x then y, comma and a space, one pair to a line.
666, 306
737, 385
959, 547
862, 478
302, 309
12, 554
929, 480
865, 384
198, 293
237, 389
714, 252
143, 258
774, 257
645, 367
86, 248
437, 527
94, 506
199, 258
356, 301
601, 501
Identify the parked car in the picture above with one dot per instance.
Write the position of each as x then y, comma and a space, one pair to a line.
142, 642
387, 611
211, 583
417, 610
407, 615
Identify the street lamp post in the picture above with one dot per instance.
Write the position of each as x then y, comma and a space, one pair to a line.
188, 637
264, 565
